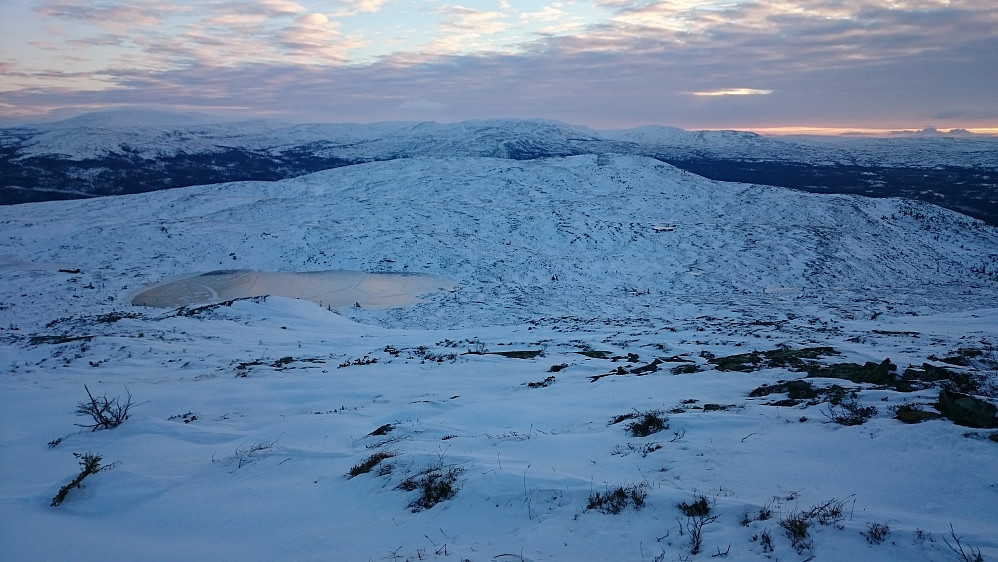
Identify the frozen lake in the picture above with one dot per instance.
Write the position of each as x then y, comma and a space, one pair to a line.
334, 289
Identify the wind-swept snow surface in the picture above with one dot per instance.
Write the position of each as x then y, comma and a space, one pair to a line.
593, 291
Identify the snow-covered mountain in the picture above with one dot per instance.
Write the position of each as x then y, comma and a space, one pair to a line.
596, 294
103, 155
590, 236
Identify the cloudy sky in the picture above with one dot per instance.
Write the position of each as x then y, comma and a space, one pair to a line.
747, 64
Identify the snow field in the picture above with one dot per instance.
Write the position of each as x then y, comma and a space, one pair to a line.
556, 255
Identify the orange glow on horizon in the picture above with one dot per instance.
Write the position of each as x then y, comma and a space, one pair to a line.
859, 131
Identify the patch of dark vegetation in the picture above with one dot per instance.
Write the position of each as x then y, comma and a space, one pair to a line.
630, 358
366, 360
648, 423
186, 418
435, 484
643, 449
700, 506
876, 533
558, 368
541, 384
594, 354
199, 310
369, 463
743, 362
717, 407
622, 417
649, 368
676, 359
795, 390
112, 317
425, 354
618, 499
850, 412
38, 340
798, 529
765, 541
698, 516
685, 369
921, 378
955, 187
913, 413
621, 371
980, 380
873, 373
764, 514
89, 464
962, 357
126, 170
797, 524
793, 359
526, 354
241, 369
383, 430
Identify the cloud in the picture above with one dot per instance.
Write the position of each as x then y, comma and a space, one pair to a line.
354, 7
969, 112
733, 92
420, 105
822, 62
314, 19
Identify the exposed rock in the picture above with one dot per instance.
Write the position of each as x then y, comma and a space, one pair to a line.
966, 410
916, 416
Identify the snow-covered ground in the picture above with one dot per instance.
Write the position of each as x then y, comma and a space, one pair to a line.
248, 418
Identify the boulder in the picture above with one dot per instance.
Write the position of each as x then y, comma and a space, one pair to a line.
968, 411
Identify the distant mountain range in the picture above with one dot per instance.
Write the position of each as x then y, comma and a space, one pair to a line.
115, 153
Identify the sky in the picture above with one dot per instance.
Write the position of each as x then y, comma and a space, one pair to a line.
607, 64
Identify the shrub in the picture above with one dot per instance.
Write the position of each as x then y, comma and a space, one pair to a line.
876, 533
106, 414
369, 463
616, 500
434, 484
973, 556
701, 506
765, 513
849, 412
829, 512
648, 423
246, 455
697, 517
767, 541
798, 525
90, 464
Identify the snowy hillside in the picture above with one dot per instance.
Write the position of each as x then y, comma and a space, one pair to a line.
597, 296
101, 154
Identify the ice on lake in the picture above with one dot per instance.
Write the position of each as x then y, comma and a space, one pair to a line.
328, 288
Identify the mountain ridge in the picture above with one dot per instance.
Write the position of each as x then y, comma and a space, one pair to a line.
586, 235
79, 158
